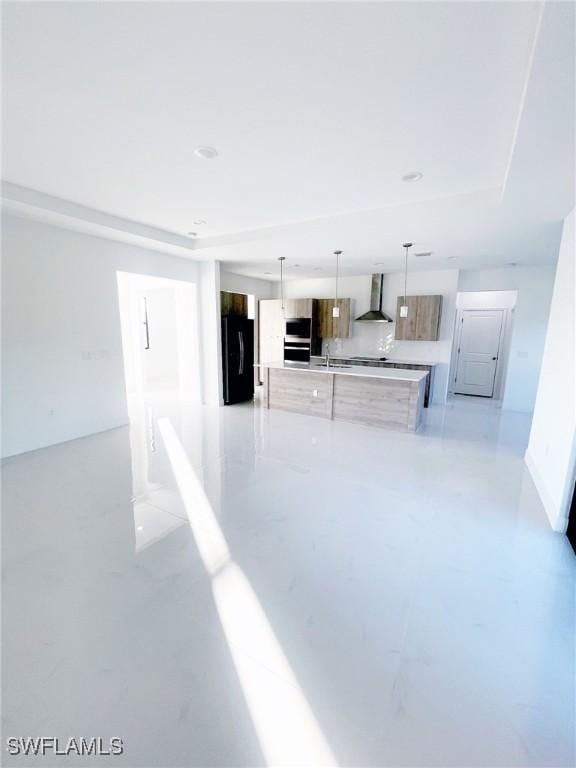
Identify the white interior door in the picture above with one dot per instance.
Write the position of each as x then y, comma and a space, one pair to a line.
478, 351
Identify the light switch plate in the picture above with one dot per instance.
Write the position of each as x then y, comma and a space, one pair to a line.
314, 393
404, 311
335, 311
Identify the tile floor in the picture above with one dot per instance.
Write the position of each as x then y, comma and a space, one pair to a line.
241, 587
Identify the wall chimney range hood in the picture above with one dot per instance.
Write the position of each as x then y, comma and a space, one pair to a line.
375, 314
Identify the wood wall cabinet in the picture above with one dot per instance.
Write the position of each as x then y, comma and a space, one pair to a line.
298, 308
272, 323
233, 303
328, 327
406, 326
423, 321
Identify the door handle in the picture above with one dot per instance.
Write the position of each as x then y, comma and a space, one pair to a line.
241, 342
145, 323
494, 358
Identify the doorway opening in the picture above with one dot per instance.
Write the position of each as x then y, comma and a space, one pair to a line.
481, 343
159, 336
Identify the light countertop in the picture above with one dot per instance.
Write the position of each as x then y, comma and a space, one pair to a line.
374, 359
393, 374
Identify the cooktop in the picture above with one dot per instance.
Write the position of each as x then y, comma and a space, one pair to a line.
367, 357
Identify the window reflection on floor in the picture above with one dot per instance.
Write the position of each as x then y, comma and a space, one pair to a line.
285, 725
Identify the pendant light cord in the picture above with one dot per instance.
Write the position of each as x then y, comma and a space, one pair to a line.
281, 260
337, 254
406, 246
337, 271
405, 274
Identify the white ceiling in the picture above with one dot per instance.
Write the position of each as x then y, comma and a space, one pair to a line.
317, 110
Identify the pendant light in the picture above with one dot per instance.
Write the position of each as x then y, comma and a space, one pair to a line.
282, 259
336, 308
404, 307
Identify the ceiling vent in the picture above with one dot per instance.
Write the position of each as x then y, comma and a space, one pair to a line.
422, 254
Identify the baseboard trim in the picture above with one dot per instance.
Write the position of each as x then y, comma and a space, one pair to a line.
555, 515
71, 439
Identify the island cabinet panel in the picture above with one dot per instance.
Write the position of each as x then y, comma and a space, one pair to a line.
298, 307
429, 381
417, 395
328, 327
423, 321
375, 402
309, 393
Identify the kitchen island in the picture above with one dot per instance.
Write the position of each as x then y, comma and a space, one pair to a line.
380, 397
386, 362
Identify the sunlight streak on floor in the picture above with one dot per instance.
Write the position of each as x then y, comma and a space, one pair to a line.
286, 728
207, 533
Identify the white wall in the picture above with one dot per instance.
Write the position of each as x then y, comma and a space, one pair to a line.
378, 338
211, 332
62, 370
261, 289
551, 454
530, 318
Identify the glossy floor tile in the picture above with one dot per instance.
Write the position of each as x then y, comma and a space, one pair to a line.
242, 587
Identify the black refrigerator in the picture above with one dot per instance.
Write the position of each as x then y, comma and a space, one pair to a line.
237, 358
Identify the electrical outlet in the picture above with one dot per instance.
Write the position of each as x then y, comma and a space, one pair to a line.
314, 393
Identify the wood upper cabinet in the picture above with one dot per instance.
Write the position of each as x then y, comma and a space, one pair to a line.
423, 321
406, 326
233, 303
324, 326
327, 327
298, 308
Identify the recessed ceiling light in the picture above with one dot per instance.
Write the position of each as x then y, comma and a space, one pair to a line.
451, 258
267, 273
378, 263
412, 176
512, 264
199, 222
296, 265
206, 153
191, 234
